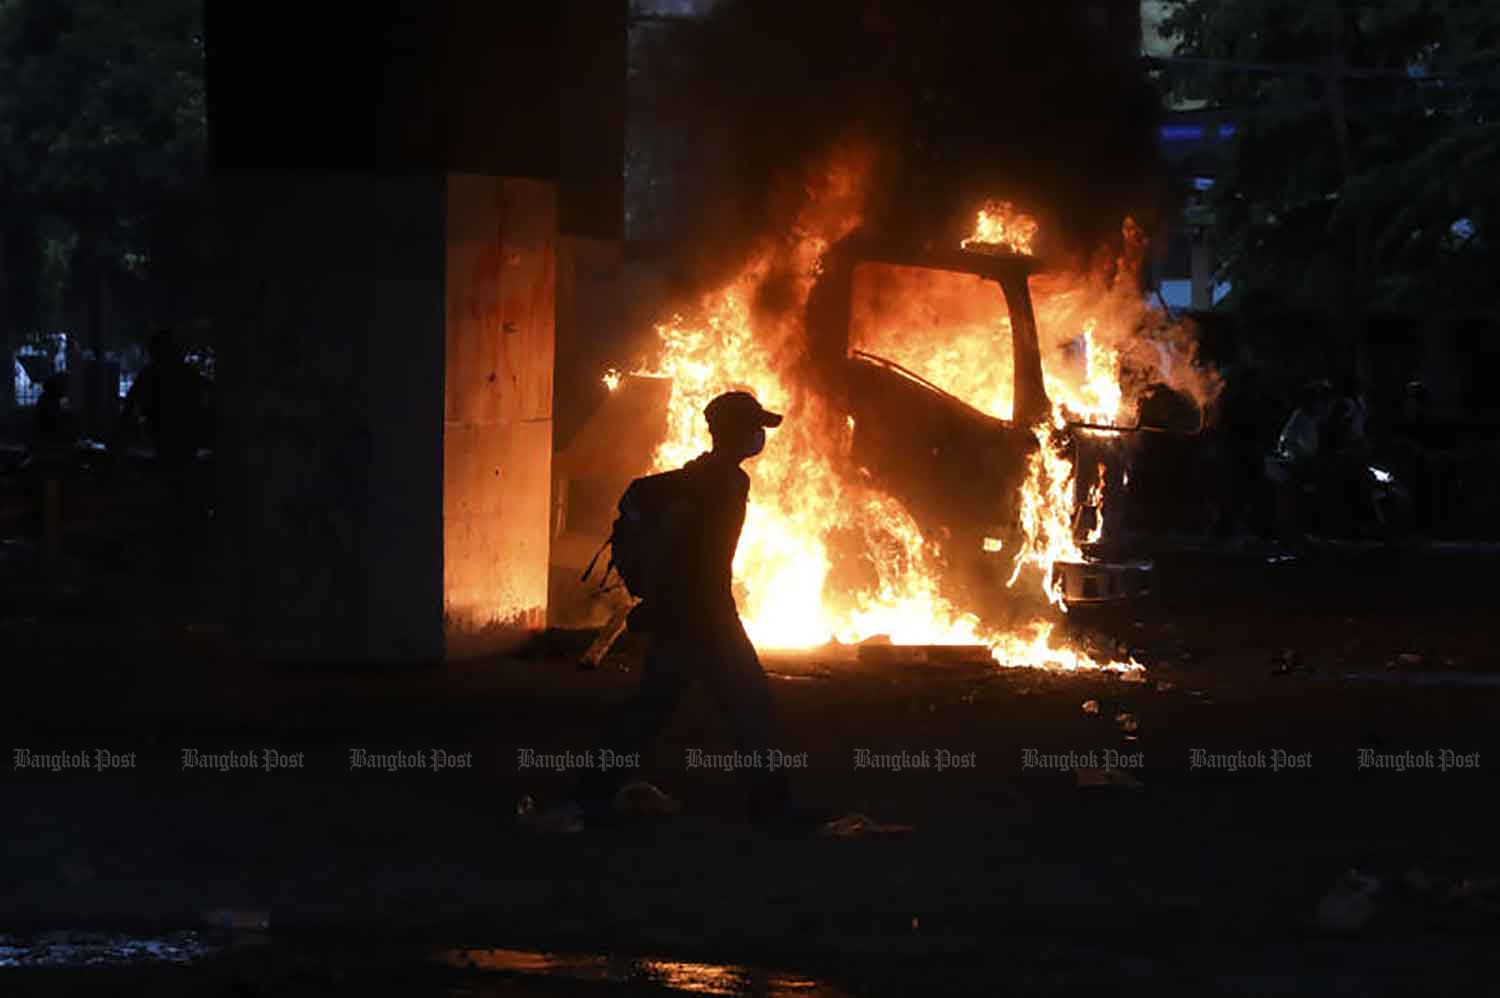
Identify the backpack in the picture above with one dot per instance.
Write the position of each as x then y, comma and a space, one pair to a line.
638, 541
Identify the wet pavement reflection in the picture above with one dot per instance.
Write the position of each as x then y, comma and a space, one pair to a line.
479, 966
673, 975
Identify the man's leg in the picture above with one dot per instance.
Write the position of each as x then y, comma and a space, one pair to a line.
740, 686
664, 677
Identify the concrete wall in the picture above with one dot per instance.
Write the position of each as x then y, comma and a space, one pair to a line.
384, 439
331, 382
497, 430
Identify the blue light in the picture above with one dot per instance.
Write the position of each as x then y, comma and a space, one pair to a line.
1226, 132
1182, 133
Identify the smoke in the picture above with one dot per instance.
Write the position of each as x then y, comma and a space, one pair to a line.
940, 105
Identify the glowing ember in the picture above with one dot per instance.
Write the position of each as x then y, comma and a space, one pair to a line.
993, 544
1000, 226
612, 379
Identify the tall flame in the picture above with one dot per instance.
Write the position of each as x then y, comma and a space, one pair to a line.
1001, 226
803, 496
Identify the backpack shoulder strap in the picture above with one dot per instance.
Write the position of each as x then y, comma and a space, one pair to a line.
594, 561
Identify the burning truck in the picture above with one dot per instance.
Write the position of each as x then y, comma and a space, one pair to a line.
924, 489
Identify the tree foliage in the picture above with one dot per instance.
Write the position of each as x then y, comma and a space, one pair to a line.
1366, 168
102, 128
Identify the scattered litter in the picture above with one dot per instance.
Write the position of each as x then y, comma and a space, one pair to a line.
1128, 722
1349, 906
1163, 686
855, 825
1091, 706
1107, 777
237, 919
643, 799
1286, 662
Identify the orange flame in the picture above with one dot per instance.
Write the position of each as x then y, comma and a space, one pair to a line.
800, 500
1096, 502
1001, 227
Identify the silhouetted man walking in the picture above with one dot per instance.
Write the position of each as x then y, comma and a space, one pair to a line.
691, 615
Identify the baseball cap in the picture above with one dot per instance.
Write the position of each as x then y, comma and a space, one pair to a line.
740, 407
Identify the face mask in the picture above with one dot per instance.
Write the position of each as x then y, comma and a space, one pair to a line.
756, 443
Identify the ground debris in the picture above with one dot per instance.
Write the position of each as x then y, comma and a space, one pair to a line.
1406, 660
1106, 777
1128, 722
855, 825
1287, 662
1348, 906
646, 800
1091, 706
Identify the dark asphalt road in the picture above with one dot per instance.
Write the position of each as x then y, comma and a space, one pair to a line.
1012, 878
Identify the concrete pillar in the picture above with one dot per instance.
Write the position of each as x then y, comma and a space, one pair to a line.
497, 429
385, 398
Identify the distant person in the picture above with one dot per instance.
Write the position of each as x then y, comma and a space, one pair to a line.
1294, 463
171, 398
1414, 441
688, 610
1346, 448
52, 425
1349, 419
